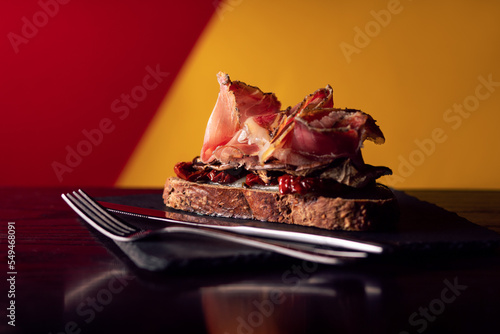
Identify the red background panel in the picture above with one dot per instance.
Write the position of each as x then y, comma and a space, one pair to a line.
81, 80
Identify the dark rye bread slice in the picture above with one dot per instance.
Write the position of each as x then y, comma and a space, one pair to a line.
373, 209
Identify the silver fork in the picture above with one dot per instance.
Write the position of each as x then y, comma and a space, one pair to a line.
117, 229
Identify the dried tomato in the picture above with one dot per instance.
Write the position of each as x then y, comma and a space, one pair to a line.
222, 177
185, 171
253, 179
289, 184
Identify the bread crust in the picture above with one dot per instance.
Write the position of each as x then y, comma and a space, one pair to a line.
374, 209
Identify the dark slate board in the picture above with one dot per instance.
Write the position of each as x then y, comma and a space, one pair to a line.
423, 229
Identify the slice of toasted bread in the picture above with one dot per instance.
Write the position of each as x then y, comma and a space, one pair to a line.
369, 209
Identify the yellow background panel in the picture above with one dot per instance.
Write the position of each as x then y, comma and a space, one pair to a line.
427, 71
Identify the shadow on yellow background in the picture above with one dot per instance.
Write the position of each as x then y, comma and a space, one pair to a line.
427, 71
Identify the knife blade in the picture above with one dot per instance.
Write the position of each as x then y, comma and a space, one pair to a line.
278, 234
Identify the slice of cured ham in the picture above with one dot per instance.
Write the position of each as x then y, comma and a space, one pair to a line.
236, 102
331, 133
247, 123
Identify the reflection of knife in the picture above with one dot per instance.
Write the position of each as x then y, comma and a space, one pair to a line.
310, 238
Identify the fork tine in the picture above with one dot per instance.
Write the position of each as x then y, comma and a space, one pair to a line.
103, 214
91, 218
98, 218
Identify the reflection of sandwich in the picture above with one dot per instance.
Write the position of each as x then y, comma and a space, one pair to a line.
302, 165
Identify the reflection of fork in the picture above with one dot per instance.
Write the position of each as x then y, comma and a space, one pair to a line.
113, 227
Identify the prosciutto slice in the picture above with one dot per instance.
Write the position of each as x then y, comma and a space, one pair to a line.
236, 103
332, 133
247, 123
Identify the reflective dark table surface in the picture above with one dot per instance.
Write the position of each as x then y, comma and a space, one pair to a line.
65, 279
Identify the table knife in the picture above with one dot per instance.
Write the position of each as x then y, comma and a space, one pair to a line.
272, 233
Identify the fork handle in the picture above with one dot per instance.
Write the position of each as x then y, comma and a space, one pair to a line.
300, 251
